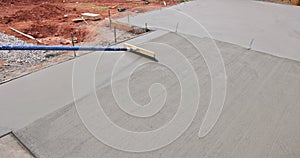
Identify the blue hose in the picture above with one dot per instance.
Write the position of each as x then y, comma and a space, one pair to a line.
66, 48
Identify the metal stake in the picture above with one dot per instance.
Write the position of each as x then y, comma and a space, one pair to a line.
128, 16
251, 43
115, 34
146, 27
73, 43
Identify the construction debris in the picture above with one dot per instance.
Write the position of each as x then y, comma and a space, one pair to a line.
146, 1
128, 27
24, 34
121, 9
91, 16
165, 4
78, 20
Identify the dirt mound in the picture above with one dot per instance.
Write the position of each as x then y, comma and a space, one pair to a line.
26, 2
50, 30
43, 11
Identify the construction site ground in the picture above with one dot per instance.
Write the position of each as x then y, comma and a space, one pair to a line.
51, 23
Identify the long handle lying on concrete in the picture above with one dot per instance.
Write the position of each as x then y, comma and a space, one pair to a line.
127, 47
71, 48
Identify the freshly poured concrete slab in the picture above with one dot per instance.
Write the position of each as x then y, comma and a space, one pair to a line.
274, 28
260, 117
31, 97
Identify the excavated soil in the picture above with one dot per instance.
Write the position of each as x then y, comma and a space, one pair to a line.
50, 21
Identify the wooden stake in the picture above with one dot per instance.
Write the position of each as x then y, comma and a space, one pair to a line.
73, 43
128, 16
109, 18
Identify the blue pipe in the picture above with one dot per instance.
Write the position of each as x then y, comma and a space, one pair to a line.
66, 48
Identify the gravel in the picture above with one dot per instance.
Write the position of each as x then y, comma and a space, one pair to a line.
19, 57
13, 63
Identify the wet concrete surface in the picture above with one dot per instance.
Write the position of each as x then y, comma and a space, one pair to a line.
274, 28
259, 117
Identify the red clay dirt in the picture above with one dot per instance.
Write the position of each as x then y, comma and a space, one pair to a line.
51, 20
